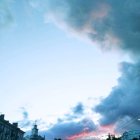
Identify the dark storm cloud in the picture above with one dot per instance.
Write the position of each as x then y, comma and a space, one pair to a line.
67, 129
111, 23
124, 100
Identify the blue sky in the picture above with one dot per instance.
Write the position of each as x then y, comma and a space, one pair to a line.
50, 62
52, 59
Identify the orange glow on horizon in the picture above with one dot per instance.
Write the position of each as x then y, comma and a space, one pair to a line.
101, 133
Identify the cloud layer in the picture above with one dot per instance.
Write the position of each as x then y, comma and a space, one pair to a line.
65, 130
123, 101
111, 23
72, 124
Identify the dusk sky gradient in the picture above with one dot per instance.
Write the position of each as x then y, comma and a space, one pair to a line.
72, 65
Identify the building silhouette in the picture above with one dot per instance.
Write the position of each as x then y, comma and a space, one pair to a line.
9, 131
34, 134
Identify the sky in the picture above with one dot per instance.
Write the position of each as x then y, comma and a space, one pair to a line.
72, 66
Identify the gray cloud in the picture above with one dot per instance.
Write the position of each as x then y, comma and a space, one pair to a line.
76, 112
70, 124
123, 101
112, 23
66, 129
78, 109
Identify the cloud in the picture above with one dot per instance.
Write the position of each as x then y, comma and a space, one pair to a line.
25, 114
25, 122
78, 109
66, 129
77, 112
123, 101
111, 23
73, 123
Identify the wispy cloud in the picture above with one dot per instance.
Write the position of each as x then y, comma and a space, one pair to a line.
26, 123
